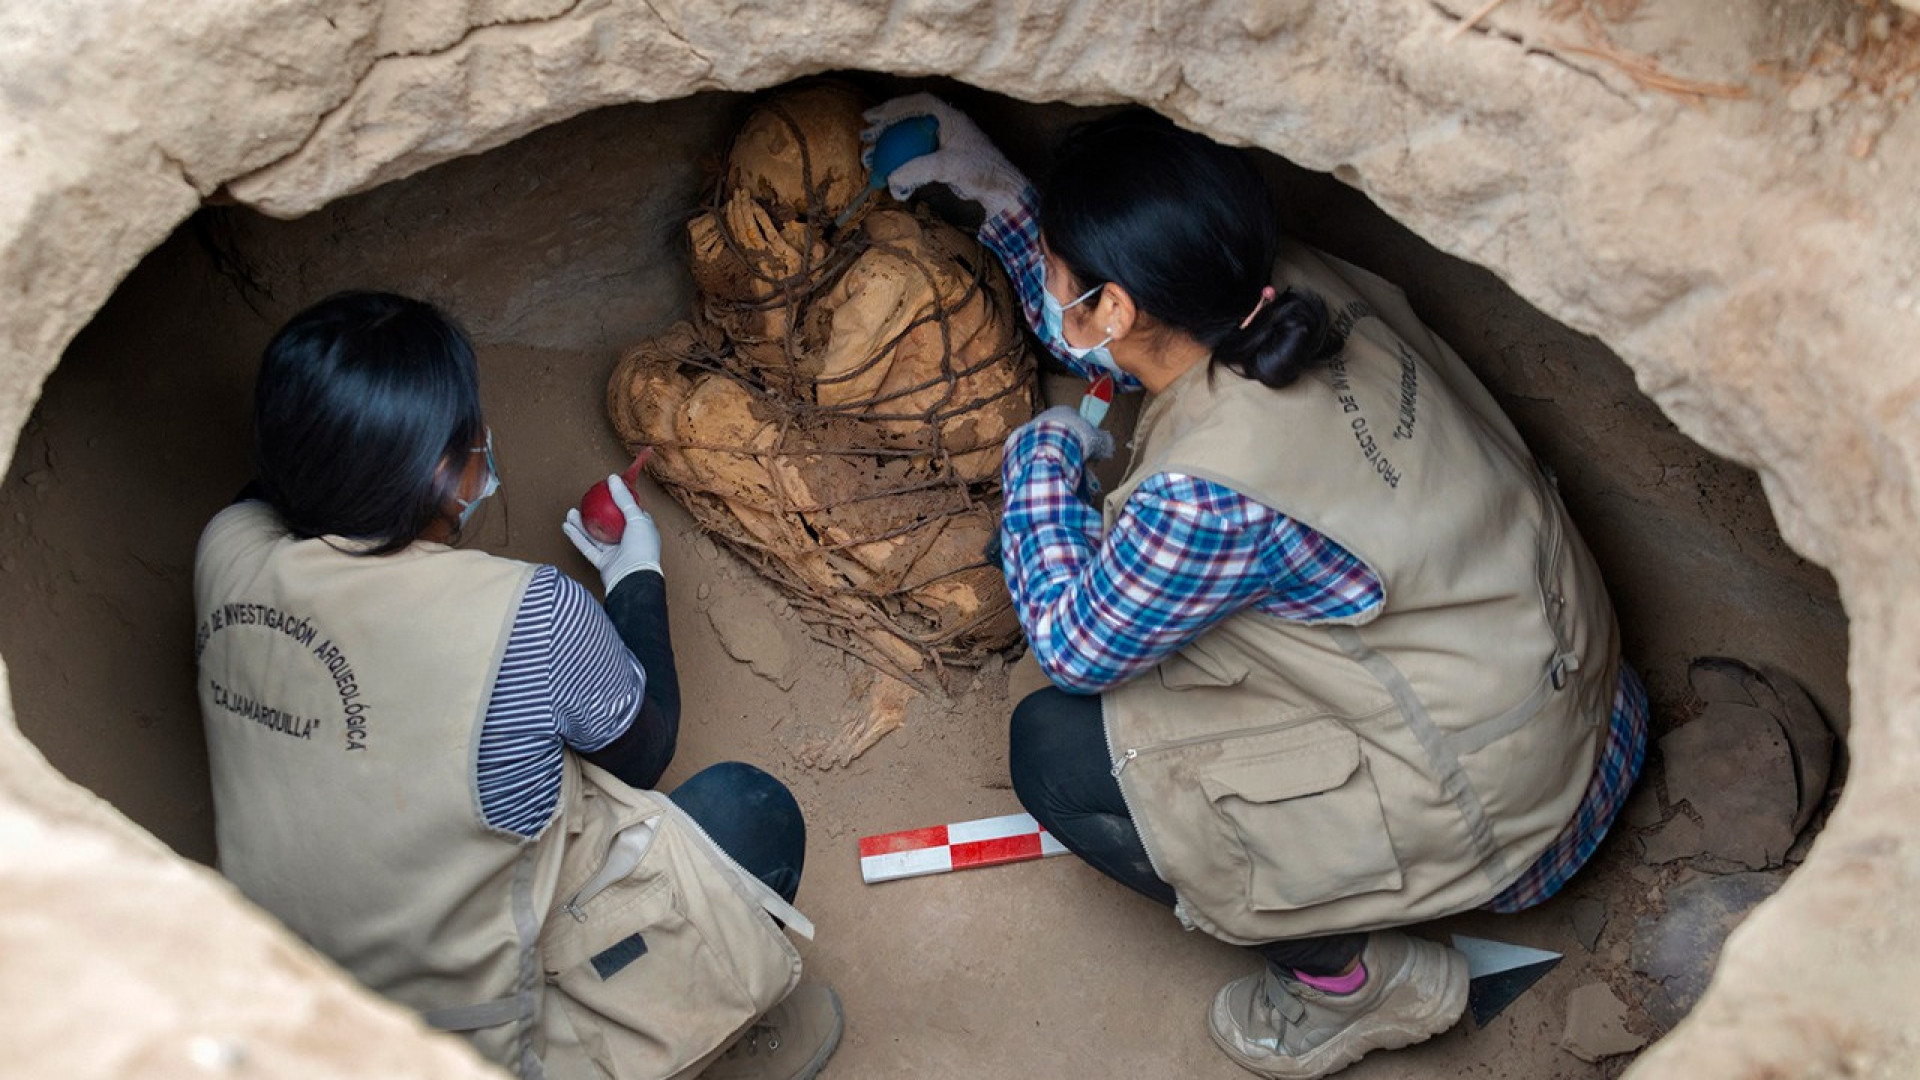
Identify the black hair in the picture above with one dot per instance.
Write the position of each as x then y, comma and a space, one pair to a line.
1188, 228
359, 401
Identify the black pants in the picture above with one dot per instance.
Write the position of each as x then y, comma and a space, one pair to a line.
1061, 772
751, 815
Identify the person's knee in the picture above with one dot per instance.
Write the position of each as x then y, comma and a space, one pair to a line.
745, 785
1032, 737
763, 791
1035, 720
1023, 731
754, 794
753, 817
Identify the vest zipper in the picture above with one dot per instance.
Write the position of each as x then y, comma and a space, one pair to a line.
631, 845
759, 891
1131, 753
1553, 602
1119, 763
623, 857
1126, 757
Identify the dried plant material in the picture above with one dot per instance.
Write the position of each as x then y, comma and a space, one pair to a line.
1887, 58
1614, 11
1473, 20
1647, 73
877, 706
836, 409
1643, 69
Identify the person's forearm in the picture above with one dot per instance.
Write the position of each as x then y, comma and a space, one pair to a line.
1014, 239
1182, 555
637, 607
1048, 539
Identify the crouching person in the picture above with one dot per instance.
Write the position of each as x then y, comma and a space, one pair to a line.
1330, 659
436, 765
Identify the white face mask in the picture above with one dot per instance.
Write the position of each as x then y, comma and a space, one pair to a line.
492, 484
1053, 320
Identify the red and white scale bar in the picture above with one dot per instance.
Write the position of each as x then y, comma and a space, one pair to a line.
963, 845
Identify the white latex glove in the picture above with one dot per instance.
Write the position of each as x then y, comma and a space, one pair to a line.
966, 161
1096, 444
639, 545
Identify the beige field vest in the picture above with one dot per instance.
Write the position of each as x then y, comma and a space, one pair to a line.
1291, 780
343, 699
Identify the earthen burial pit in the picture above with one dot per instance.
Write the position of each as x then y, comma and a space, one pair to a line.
1754, 273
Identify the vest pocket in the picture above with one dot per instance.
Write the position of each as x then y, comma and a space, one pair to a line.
642, 987
1300, 806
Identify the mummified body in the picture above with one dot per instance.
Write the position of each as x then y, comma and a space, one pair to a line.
836, 407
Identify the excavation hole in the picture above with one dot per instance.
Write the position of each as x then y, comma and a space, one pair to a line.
559, 250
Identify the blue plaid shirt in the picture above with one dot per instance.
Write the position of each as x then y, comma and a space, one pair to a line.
1186, 553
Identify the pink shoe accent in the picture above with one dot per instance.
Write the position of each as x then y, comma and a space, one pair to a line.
1336, 984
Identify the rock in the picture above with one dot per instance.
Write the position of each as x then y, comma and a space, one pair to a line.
1597, 1024
1816, 92
1808, 736
1589, 920
1679, 949
750, 635
1680, 838
1719, 679
993, 665
1733, 766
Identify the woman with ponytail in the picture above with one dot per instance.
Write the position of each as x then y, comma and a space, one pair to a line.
1331, 659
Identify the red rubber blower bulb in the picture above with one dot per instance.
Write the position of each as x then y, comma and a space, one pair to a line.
598, 512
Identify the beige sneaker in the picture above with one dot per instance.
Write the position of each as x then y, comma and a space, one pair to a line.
791, 1042
1281, 1028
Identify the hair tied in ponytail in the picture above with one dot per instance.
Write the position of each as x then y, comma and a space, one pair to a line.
1266, 297
1284, 337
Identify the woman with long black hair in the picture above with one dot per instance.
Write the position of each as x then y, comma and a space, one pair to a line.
1330, 659
435, 765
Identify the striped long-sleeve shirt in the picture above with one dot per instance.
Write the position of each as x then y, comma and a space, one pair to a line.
566, 682
1101, 607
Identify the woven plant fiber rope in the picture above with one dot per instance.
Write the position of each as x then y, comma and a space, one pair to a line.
835, 409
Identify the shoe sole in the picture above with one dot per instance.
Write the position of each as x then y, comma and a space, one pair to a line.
1341, 1053
819, 1059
